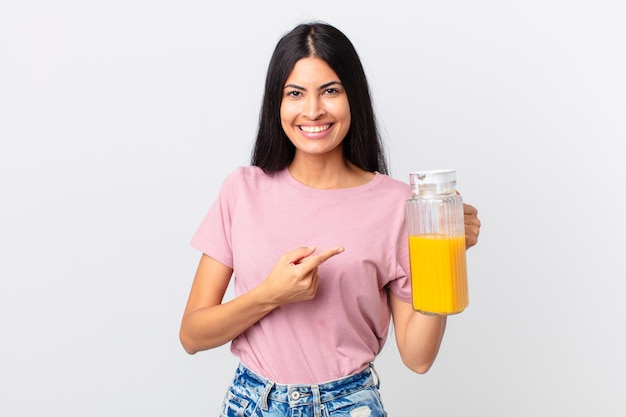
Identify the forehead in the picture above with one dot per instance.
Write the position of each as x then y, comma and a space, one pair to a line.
311, 71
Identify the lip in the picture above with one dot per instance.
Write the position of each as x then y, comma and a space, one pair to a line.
316, 130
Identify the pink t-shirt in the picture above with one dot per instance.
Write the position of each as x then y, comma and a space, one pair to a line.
258, 217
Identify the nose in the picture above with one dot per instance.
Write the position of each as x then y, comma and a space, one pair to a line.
313, 107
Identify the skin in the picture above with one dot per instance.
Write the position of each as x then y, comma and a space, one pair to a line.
315, 115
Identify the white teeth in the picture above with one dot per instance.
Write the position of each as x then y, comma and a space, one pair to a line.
314, 129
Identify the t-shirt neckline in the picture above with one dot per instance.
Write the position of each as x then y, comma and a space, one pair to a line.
286, 176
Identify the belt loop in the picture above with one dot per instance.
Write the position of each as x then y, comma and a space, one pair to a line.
375, 374
266, 393
317, 408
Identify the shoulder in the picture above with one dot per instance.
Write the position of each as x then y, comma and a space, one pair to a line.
247, 175
244, 173
394, 186
247, 180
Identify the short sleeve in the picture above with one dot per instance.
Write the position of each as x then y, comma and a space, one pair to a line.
213, 237
401, 284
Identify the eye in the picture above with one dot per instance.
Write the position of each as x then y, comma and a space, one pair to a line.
332, 91
293, 93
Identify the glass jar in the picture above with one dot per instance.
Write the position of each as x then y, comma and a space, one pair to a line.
436, 229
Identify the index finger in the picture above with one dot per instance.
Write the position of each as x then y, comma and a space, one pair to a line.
469, 209
322, 257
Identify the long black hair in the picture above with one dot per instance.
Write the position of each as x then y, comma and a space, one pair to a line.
273, 151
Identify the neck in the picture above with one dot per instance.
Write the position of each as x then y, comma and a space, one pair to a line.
327, 173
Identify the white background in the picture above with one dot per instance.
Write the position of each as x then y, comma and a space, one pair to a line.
119, 120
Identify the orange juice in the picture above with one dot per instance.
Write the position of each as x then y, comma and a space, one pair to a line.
438, 273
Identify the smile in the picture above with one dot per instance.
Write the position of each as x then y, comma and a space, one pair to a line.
315, 129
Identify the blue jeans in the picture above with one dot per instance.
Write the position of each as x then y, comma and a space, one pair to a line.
251, 395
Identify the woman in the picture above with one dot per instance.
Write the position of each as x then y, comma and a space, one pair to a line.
306, 323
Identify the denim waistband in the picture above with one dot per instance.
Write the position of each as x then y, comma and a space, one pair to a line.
297, 395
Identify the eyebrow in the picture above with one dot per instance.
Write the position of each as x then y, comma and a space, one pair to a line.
323, 86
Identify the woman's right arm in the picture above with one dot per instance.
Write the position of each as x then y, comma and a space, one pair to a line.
208, 323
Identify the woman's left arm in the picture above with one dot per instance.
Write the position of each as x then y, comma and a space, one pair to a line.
419, 335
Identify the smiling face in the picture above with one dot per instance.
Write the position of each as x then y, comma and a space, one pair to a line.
314, 110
